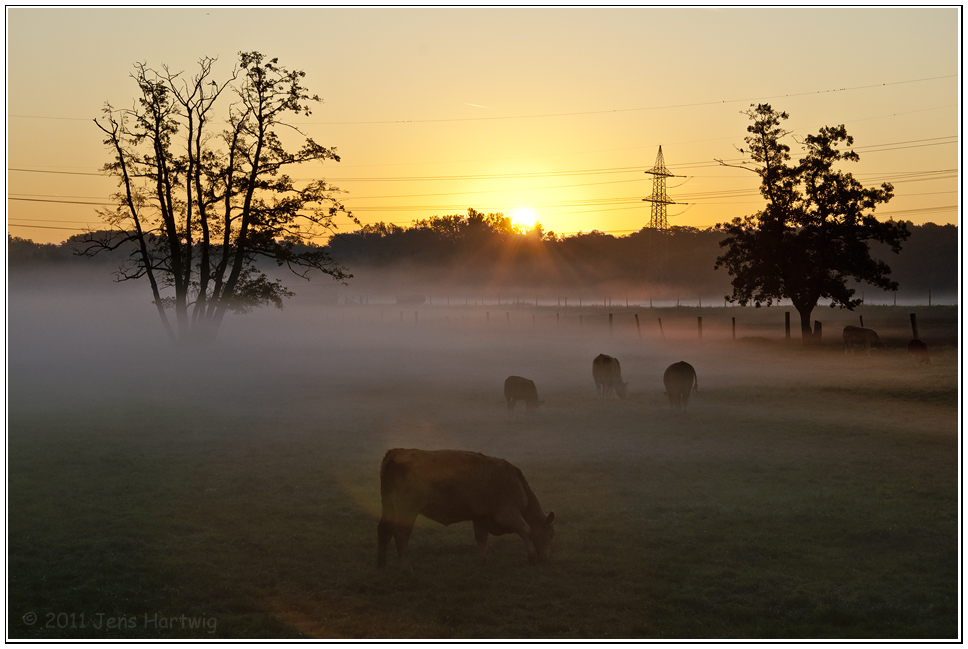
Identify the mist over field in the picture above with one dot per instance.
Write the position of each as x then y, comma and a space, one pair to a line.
805, 493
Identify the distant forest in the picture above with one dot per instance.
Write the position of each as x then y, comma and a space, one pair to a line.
484, 253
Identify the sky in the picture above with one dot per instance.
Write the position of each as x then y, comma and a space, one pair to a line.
554, 111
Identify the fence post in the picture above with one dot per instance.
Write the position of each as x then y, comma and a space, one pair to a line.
609, 325
734, 328
862, 321
914, 325
817, 332
700, 327
638, 330
662, 333
787, 325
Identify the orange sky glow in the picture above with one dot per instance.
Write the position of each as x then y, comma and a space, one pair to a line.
551, 114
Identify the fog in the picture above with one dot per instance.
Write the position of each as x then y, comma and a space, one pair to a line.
322, 362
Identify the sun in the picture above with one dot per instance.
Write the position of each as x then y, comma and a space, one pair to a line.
524, 217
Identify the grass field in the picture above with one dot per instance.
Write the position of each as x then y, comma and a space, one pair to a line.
234, 493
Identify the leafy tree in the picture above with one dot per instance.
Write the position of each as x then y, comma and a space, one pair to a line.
814, 233
198, 208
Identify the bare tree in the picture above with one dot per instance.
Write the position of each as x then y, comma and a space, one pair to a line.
198, 207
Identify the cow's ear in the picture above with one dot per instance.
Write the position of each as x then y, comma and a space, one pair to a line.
550, 519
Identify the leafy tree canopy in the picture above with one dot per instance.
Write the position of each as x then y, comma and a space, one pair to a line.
814, 234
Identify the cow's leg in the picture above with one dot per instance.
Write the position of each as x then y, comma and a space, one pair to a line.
480, 535
384, 531
512, 520
401, 536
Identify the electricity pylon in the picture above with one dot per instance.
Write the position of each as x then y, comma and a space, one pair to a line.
659, 198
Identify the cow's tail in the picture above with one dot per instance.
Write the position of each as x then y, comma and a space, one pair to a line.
695, 382
389, 470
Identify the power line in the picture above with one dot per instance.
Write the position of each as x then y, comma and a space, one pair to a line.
579, 113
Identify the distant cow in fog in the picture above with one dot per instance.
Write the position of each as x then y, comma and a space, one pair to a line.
517, 388
860, 336
680, 379
455, 486
607, 373
919, 352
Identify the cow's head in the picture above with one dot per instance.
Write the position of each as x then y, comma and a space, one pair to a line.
620, 389
541, 535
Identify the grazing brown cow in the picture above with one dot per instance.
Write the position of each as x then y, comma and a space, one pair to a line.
919, 352
456, 486
517, 388
860, 336
607, 373
680, 379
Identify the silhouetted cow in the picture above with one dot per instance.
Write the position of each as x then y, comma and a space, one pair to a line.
919, 352
456, 486
517, 388
607, 373
680, 379
861, 336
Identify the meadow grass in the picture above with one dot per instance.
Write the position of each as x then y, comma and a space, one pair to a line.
806, 493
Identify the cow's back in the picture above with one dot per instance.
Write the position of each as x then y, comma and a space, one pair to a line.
607, 372
449, 486
679, 380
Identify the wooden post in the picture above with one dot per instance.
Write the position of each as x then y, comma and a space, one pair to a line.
862, 321
662, 333
700, 327
817, 332
508, 314
914, 325
787, 319
532, 321
895, 298
638, 330
734, 328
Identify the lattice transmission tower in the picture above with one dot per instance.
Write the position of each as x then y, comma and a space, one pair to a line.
659, 198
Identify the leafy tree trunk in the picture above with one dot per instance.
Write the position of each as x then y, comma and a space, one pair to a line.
805, 309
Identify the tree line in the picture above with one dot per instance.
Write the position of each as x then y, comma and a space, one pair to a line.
475, 249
